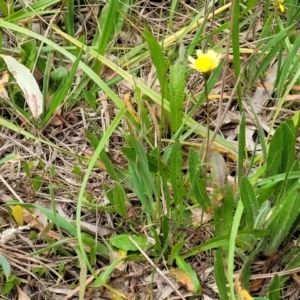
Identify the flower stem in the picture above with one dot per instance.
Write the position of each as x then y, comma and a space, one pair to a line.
208, 125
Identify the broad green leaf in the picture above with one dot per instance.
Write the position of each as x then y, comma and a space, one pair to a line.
245, 242
123, 242
281, 152
186, 268
223, 214
5, 266
9, 157
58, 78
262, 215
282, 219
177, 86
142, 167
249, 200
197, 182
159, 63
120, 198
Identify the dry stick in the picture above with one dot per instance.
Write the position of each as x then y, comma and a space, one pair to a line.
169, 40
221, 119
157, 270
11, 189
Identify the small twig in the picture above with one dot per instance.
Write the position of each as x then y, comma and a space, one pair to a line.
11, 189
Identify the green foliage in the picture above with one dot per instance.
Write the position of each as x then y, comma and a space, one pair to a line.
185, 267
10, 285
177, 181
177, 86
5, 266
124, 242
220, 275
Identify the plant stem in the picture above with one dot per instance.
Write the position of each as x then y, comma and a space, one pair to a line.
208, 125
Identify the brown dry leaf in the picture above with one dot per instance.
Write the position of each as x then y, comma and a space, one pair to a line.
98, 164
241, 292
93, 229
36, 224
56, 121
22, 295
130, 108
32, 220
183, 278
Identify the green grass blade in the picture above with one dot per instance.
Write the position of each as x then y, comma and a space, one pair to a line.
289, 64
271, 47
4, 8
241, 148
82, 274
59, 97
109, 168
100, 147
196, 177
106, 23
220, 275
235, 15
176, 162
147, 205
36, 8
230, 260
69, 18
159, 63
274, 288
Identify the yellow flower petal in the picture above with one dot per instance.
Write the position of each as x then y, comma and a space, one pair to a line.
278, 4
281, 7
205, 62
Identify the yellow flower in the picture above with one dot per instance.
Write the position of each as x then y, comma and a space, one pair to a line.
205, 62
278, 4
